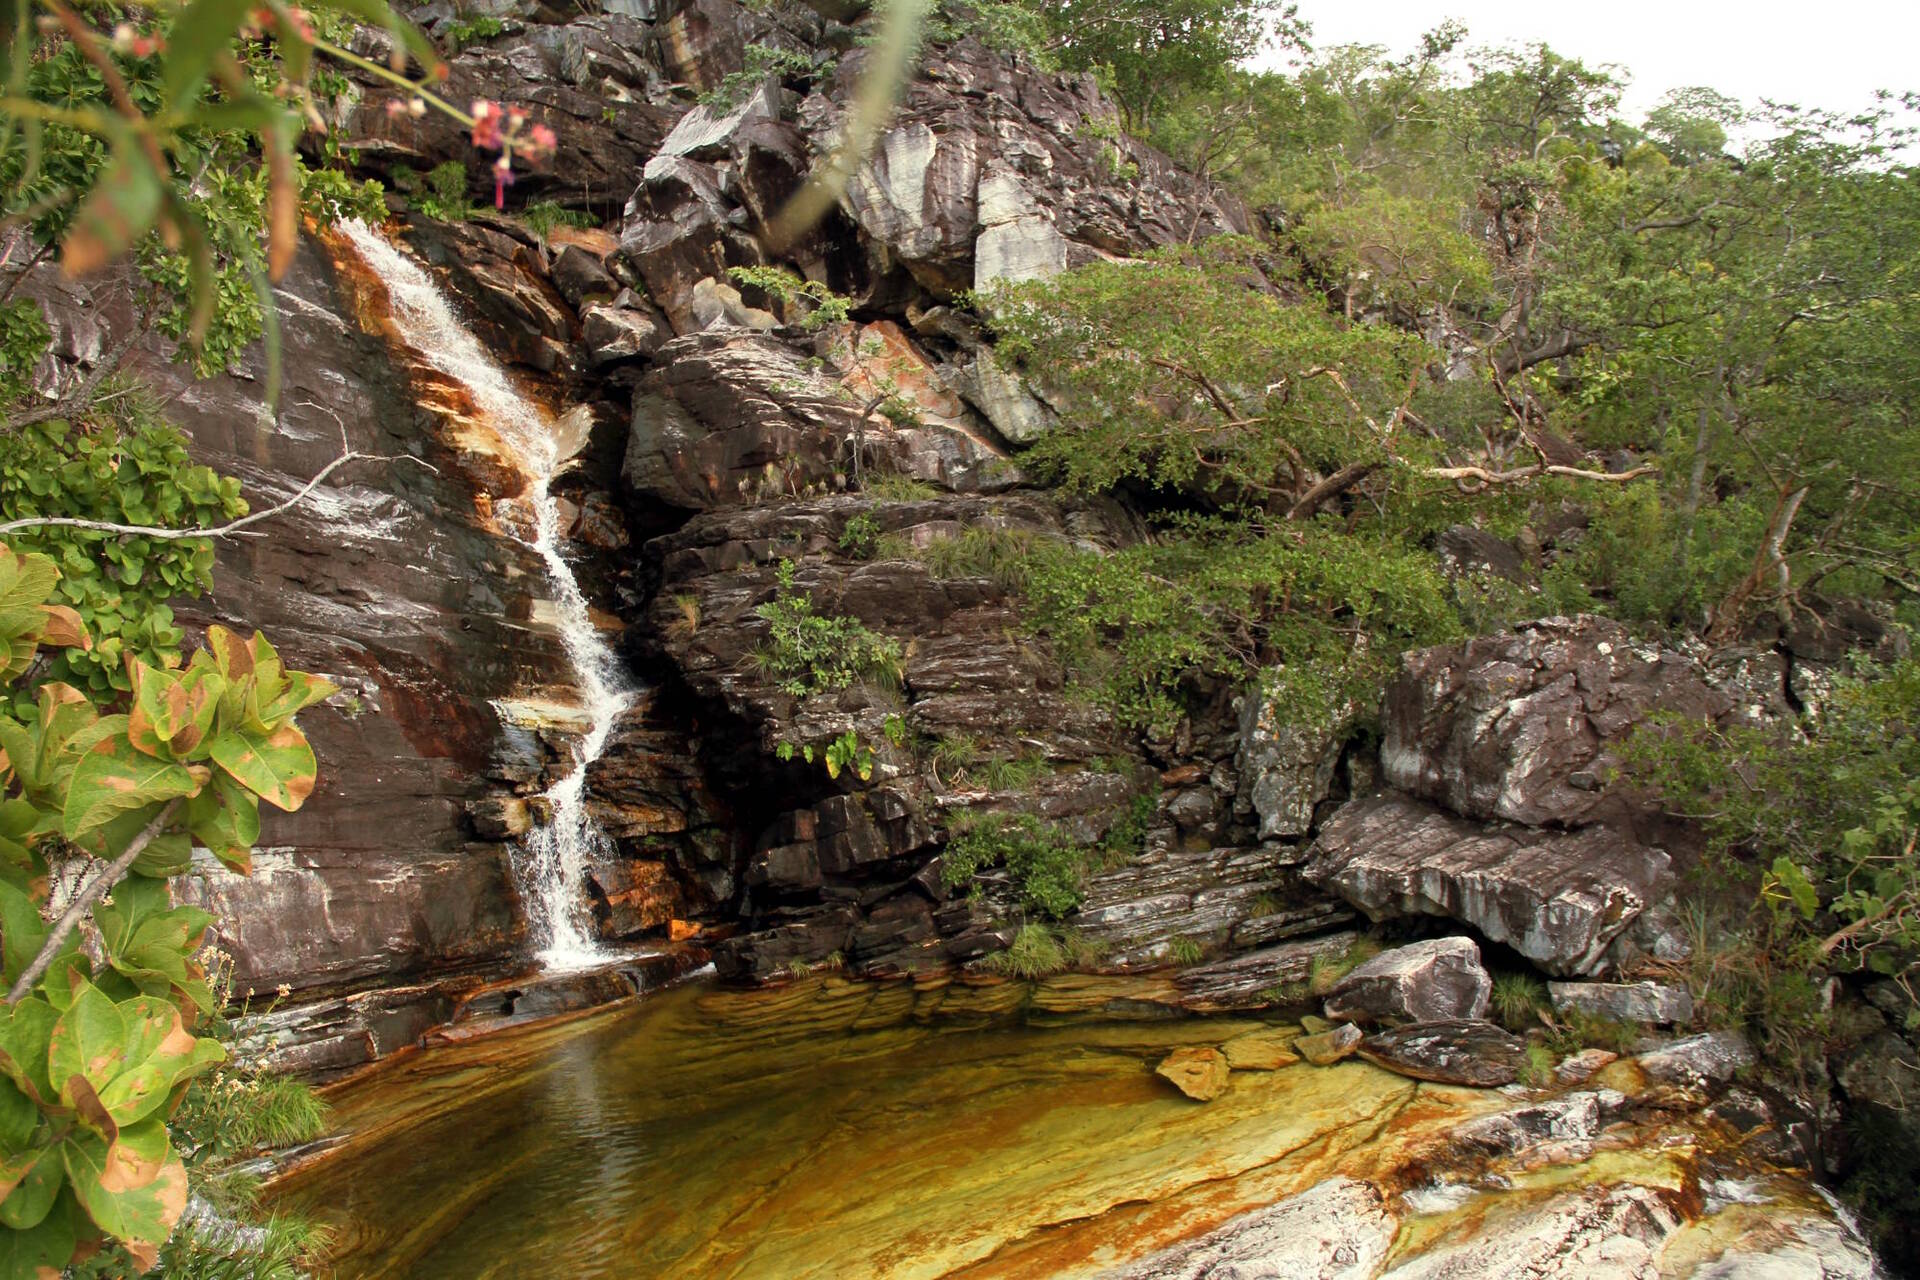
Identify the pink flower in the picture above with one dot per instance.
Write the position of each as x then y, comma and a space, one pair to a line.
540, 142
502, 179
486, 125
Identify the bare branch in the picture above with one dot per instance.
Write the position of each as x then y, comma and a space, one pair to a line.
1485, 476
84, 900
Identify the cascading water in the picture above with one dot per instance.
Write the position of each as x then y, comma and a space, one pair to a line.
553, 859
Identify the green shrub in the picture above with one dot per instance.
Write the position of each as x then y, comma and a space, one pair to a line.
1049, 869
469, 31
544, 217
444, 194
824, 306
861, 536
237, 1112
762, 61
808, 653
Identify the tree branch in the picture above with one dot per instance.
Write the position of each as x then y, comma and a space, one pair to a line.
84, 900
1539, 469
1331, 487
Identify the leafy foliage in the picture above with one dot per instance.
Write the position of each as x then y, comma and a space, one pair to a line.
94, 1054
762, 62
808, 652
121, 464
824, 306
1047, 866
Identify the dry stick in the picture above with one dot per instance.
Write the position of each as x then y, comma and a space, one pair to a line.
229, 529
95, 890
1527, 473
80, 396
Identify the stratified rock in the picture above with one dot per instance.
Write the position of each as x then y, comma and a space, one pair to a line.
1710, 1058
1337, 1230
1237, 897
1258, 978
1625, 1001
1559, 898
1267, 1050
1599, 1233
1287, 761
1198, 1072
1456, 1051
1422, 982
1324, 1048
1520, 726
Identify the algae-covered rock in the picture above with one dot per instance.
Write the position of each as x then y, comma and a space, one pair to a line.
1198, 1072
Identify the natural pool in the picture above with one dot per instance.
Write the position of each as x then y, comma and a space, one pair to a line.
847, 1130
829, 1129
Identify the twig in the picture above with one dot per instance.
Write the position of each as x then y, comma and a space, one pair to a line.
1527, 473
95, 890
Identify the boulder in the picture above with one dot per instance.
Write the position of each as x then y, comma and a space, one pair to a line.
1522, 726
579, 275
1324, 1048
1625, 1001
614, 335
1421, 982
1257, 979
1713, 1057
1563, 899
1198, 1072
1453, 1051
1578, 1068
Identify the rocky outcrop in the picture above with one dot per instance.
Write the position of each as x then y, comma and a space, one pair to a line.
1568, 901
1625, 1001
1423, 982
1519, 726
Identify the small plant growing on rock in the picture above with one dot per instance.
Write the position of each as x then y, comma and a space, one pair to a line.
861, 537
824, 306
445, 194
1537, 1071
807, 652
891, 486
1518, 1000
1046, 864
1040, 951
544, 217
1185, 950
845, 752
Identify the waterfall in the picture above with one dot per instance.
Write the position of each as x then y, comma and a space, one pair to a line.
552, 861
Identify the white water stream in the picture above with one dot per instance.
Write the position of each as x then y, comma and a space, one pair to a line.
552, 863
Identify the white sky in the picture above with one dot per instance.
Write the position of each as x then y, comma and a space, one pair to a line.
1827, 53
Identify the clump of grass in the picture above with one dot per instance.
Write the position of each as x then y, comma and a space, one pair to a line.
894, 487
1039, 951
1518, 1000
687, 605
1537, 1071
1185, 950
1010, 773
282, 1251
1325, 970
1572, 1030
1003, 556
231, 1113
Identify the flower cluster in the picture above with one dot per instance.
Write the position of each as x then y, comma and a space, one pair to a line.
137, 44
506, 130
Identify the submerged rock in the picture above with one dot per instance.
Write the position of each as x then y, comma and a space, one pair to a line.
1199, 1073
1455, 1051
1421, 982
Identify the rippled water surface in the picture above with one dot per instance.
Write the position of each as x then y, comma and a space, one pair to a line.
827, 1130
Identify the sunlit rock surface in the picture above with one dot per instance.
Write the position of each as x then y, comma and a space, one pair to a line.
991, 1129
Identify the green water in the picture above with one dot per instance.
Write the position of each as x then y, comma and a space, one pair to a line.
828, 1130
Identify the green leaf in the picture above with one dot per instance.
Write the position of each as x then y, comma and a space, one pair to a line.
26, 1033
114, 778
22, 931
41, 1251
27, 1205
89, 1041
134, 1188
225, 817
278, 767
